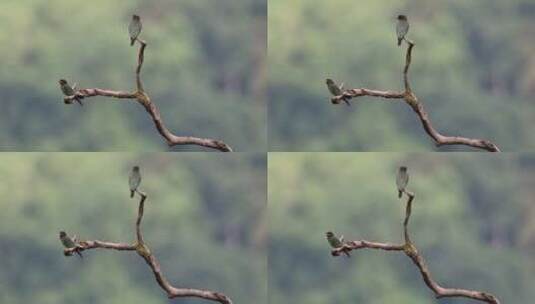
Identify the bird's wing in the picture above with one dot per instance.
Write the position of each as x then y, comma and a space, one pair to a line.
134, 28
134, 181
400, 30
131, 182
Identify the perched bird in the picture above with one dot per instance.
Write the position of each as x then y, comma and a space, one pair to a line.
402, 28
335, 89
68, 90
402, 180
336, 242
69, 242
134, 28
134, 180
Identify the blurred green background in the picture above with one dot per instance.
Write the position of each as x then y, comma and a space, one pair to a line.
204, 69
473, 68
204, 221
472, 221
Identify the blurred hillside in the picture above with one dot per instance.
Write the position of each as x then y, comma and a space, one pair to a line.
206, 226
473, 68
204, 69
472, 220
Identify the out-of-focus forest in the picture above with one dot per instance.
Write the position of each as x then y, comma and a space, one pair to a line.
473, 68
204, 69
204, 221
472, 220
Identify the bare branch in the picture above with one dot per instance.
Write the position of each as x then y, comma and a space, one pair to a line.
410, 98
412, 252
144, 251
141, 96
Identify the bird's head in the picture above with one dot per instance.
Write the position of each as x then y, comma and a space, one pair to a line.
135, 17
402, 17
62, 234
136, 168
329, 234
403, 169
62, 82
329, 81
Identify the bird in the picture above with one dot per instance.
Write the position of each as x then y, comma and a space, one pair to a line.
68, 90
134, 180
402, 28
134, 28
336, 242
69, 242
402, 180
336, 90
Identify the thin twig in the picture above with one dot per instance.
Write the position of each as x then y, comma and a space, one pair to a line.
410, 98
412, 252
144, 251
141, 96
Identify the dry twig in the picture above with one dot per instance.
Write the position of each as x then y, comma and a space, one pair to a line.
410, 98
141, 96
410, 250
141, 248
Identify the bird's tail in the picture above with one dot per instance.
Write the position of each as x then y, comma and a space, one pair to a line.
132, 40
347, 254
80, 254
400, 193
399, 41
79, 101
132, 193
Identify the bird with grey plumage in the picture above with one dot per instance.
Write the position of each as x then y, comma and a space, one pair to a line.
69, 90
402, 28
69, 242
402, 179
134, 28
336, 242
335, 89
134, 180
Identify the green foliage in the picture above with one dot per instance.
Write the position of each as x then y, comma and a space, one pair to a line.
472, 67
471, 220
201, 70
202, 221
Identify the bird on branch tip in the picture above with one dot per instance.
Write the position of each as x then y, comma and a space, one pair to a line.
68, 90
336, 90
402, 28
402, 179
134, 28
69, 242
336, 242
134, 180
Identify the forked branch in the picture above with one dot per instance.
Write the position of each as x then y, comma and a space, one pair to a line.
410, 250
141, 96
410, 98
143, 251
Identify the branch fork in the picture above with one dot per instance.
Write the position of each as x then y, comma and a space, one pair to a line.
410, 250
410, 98
141, 96
143, 250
